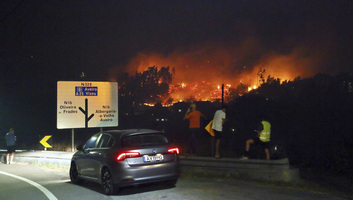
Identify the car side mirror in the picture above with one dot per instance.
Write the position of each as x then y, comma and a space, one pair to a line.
79, 147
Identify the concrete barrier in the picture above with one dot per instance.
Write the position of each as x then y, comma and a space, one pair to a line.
262, 170
42, 157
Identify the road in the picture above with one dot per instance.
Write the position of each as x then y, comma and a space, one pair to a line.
27, 182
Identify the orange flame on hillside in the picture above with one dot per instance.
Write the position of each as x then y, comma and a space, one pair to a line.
200, 71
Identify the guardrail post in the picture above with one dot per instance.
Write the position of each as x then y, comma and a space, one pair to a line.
73, 140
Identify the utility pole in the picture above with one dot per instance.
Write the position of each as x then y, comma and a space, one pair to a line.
222, 94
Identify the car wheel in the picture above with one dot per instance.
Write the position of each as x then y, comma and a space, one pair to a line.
107, 182
74, 174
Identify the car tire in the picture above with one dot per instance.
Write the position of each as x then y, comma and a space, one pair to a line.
74, 174
107, 182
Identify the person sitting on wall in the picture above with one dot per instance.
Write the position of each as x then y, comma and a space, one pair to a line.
263, 138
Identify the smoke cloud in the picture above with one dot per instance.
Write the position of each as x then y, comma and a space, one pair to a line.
230, 63
238, 58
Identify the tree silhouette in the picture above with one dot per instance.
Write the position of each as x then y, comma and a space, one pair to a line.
311, 117
148, 86
261, 74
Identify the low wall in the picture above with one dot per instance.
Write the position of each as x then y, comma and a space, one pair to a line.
252, 169
263, 170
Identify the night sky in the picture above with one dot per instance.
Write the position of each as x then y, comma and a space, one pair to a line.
43, 41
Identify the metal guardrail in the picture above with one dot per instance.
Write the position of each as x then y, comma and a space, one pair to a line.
263, 170
234, 163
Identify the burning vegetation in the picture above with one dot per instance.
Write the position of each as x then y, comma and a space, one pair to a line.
158, 86
197, 73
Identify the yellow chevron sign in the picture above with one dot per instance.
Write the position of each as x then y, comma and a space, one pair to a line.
44, 141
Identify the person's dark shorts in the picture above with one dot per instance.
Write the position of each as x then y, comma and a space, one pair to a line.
217, 134
264, 145
11, 149
194, 132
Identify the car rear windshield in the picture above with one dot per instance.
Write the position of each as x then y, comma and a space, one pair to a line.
151, 139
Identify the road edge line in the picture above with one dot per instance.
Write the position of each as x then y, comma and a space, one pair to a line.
38, 186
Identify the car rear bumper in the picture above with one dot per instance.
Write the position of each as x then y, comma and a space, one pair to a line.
133, 175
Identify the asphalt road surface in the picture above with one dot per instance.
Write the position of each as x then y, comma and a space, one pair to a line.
27, 182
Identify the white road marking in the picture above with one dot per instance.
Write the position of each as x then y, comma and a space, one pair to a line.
59, 181
41, 188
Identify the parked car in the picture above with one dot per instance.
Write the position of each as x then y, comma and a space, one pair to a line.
120, 158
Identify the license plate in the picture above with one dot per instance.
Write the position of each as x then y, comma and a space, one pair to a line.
157, 157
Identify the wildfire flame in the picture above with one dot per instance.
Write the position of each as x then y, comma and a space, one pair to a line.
254, 87
200, 71
196, 91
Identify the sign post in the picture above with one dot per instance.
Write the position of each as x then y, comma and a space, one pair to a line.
86, 104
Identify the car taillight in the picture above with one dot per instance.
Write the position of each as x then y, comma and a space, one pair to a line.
174, 150
122, 156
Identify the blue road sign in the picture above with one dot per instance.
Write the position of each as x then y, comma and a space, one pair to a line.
86, 91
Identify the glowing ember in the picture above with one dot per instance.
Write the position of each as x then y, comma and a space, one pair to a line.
254, 87
198, 92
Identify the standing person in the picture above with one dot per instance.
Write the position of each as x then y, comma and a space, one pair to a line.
10, 143
263, 138
218, 120
193, 116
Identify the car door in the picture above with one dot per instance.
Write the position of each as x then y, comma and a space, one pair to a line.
86, 163
101, 153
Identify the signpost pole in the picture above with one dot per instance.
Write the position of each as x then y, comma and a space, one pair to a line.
73, 140
222, 94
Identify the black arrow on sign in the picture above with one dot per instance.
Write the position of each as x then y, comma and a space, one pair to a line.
85, 112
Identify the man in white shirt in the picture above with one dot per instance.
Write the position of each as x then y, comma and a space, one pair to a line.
218, 120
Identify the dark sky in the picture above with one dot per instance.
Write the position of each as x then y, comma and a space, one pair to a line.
61, 38
43, 41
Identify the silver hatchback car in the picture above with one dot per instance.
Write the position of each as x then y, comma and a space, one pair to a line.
120, 158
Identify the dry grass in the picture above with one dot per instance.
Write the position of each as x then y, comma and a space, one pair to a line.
60, 168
